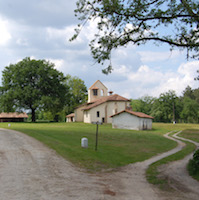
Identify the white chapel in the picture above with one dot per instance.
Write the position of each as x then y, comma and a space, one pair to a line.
101, 105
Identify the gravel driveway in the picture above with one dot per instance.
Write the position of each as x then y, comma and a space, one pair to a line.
31, 171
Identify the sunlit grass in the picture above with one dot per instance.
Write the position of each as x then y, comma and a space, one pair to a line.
192, 134
116, 147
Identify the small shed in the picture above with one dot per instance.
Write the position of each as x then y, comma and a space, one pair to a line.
70, 117
128, 119
13, 117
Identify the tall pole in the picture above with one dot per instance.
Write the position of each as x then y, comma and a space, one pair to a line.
174, 112
96, 141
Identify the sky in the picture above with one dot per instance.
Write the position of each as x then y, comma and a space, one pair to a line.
41, 29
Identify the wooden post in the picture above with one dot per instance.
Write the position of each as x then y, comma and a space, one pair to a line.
96, 139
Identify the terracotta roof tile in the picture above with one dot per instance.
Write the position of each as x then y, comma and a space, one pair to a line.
138, 114
71, 115
13, 115
102, 100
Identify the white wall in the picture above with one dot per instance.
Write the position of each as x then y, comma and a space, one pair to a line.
106, 110
91, 115
79, 114
125, 121
70, 119
128, 121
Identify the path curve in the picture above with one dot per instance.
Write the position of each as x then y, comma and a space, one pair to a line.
30, 170
178, 176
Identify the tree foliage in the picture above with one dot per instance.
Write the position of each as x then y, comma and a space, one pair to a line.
77, 93
120, 22
190, 111
164, 107
33, 84
168, 107
143, 104
193, 165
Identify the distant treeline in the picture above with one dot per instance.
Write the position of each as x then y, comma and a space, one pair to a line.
169, 107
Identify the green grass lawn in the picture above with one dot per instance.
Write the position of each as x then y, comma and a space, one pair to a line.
116, 147
192, 134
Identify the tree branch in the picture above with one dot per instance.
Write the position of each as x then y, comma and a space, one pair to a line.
170, 42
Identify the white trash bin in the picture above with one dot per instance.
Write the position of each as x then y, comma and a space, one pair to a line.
84, 142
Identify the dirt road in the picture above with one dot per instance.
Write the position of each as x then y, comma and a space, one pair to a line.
31, 171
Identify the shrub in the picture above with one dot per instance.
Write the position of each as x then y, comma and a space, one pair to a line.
193, 165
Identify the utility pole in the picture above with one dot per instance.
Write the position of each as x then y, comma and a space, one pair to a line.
174, 120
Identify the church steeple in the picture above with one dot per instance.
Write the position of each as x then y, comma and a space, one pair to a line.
96, 91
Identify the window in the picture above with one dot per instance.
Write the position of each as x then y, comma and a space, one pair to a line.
98, 114
95, 92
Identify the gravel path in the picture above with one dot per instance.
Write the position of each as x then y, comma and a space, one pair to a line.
178, 177
31, 171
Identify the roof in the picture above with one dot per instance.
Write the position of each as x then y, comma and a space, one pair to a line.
95, 83
138, 114
71, 115
102, 100
13, 115
84, 104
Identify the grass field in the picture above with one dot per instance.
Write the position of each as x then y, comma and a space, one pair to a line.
116, 147
192, 134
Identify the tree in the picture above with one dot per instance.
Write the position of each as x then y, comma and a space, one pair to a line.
188, 92
143, 104
33, 84
120, 22
196, 94
77, 93
190, 112
165, 107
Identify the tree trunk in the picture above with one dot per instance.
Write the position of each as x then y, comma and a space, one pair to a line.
33, 115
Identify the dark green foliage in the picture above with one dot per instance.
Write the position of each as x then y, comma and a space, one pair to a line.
196, 158
193, 165
32, 85
168, 107
190, 111
77, 93
121, 22
143, 104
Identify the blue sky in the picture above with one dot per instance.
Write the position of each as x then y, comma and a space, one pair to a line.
41, 29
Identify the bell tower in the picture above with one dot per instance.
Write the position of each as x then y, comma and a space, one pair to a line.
96, 91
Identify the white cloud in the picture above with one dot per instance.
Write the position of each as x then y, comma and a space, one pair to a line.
22, 42
58, 63
147, 81
5, 36
151, 56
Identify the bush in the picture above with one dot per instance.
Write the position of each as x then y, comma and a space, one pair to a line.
193, 165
